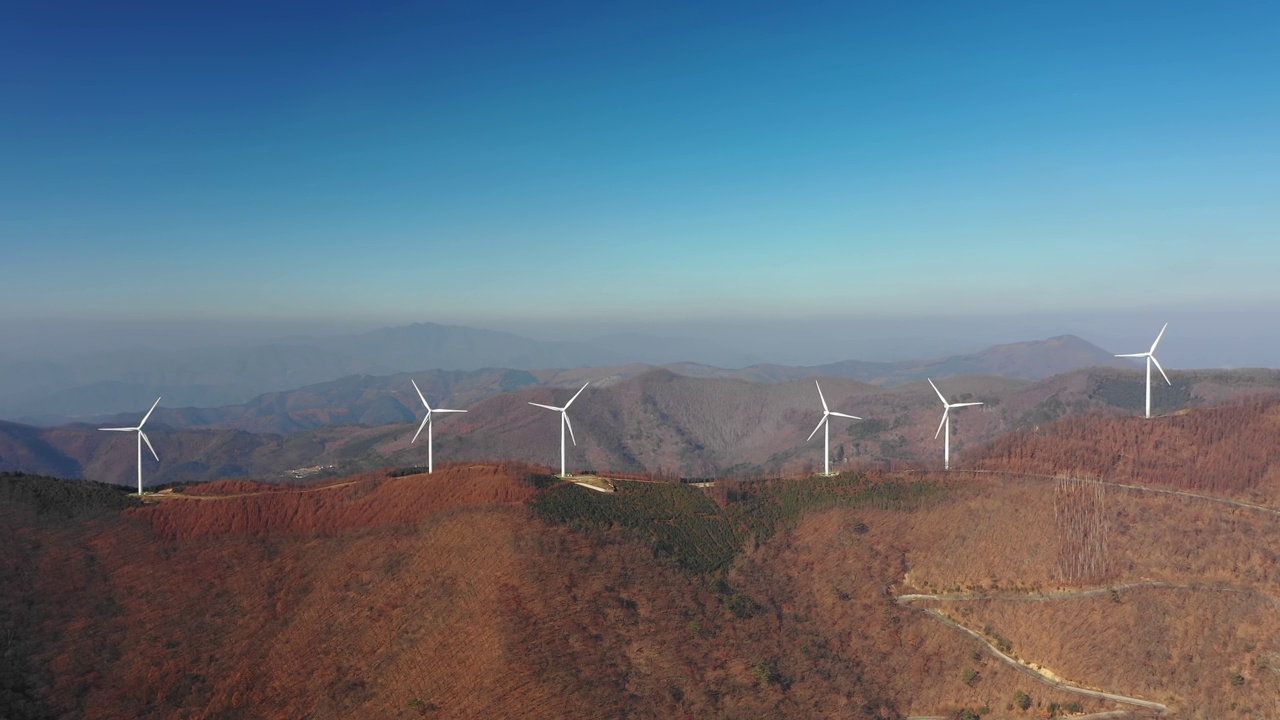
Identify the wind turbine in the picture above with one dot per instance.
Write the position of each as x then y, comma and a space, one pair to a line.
426, 422
946, 423
142, 437
826, 415
1150, 355
564, 423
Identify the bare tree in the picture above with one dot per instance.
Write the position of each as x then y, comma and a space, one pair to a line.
1080, 508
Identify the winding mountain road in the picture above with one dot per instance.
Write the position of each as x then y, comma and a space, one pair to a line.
1034, 670
1042, 675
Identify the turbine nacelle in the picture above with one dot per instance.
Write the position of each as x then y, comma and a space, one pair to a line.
946, 417
827, 413
1151, 354
426, 421
946, 407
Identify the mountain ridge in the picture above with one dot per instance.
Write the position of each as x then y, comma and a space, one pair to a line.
658, 421
96, 387
306, 407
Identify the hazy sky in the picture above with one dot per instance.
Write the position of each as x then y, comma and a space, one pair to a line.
498, 164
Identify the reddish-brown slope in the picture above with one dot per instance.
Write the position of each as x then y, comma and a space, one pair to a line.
1176, 645
845, 580
400, 597
441, 596
219, 488
1230, 450
370, 500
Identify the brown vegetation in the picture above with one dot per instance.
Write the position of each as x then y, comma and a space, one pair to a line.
400, 597
362, 501
1206, 606
443, 596
841, 582
1229, 450
229, 487
1178, 646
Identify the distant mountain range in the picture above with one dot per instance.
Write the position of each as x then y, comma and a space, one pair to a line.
1033, 360
103, 383
656, 421
308, 387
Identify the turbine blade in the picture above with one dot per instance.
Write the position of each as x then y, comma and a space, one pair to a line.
118, 429
144, 417
1157, 362
965, 404
935, 389
569, 425
148, 442
1157, 342
421, 396
440, 410
549, 407
1134, 355
815, 430
851, 417
944, 422
821, 396
425, 420
575, 395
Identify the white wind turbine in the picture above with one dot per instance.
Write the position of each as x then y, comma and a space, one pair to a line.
564, 423
142, 437
826, 415
946, 423
426, 422
1150, 355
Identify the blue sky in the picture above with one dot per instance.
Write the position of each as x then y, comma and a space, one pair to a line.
509, 164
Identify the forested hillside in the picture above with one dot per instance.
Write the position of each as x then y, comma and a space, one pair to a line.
1230, 450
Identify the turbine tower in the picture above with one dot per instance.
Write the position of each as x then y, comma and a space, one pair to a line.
946, 423
824, 422
564, 423
142, 437
1150, 355
426, 422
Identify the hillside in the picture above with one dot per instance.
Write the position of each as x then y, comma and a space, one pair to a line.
80, 451
654, 422
1181, 611
1228, 450
695, 427
494, 591
387, 597
438, 597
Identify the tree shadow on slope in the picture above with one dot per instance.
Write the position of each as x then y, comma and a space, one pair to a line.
30, 507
